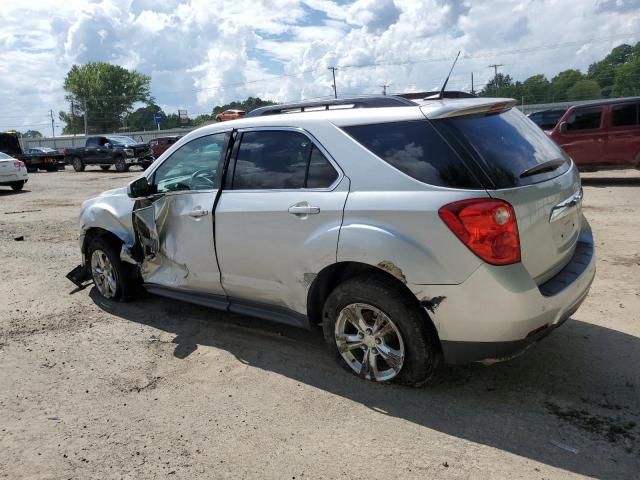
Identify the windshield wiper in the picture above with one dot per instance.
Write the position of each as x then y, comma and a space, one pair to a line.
549, 166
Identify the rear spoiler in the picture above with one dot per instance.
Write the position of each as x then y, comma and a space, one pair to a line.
465, 107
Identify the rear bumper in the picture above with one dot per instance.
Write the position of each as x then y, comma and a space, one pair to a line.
498, 312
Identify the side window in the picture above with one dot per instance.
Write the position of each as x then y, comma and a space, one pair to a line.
415, 148
624, 115
271, 159
584, 119
193, 166
92, 142
321, 173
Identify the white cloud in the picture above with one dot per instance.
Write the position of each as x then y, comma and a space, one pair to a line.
205, 52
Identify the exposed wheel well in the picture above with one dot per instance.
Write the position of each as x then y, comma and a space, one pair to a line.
333, 275
96, 232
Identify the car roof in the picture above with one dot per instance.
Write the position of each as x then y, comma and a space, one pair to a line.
607, 101
441, 108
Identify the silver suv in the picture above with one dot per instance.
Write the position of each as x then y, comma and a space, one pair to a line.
412, 232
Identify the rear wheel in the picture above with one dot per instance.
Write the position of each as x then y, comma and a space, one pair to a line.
114, 279
78, 164
105, 167
121, 164
17, 186
379, 332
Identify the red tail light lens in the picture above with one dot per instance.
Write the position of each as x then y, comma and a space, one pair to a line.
487, 227
18, 164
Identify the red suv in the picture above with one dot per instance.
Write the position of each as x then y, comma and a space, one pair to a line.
601, 135
160, 144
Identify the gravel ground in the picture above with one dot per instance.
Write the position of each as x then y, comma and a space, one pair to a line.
155, 388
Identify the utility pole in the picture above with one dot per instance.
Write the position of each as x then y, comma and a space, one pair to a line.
384, 89
335, 89
495, 69
473, 92
53, 130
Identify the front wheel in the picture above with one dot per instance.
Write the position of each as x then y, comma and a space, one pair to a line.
78, 164
114, 279
378, 332
17, 186
121, 164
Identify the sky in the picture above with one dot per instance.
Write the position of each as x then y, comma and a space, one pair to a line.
202, 53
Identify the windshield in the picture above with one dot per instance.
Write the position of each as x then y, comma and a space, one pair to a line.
122, 140
505, 146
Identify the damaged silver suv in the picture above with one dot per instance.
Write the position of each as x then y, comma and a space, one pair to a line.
411, 231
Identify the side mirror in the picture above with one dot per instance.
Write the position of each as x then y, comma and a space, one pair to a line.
140, 188
563, 127
108, 145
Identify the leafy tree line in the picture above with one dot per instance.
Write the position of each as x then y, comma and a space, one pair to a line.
616, 75
106, 94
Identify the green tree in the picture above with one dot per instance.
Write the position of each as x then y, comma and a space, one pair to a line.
604, 71
627, 76
562, 82
584, 90
536, 89
247, 105
105, 92
144, 118
32, 134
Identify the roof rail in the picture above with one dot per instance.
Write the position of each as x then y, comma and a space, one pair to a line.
373, 101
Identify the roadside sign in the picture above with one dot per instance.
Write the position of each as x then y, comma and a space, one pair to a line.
157, 117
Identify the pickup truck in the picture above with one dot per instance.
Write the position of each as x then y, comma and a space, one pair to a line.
49, 161
118, 150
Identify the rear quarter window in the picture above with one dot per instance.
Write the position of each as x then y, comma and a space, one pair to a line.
416, 149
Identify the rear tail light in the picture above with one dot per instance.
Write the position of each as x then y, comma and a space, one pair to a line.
65, 151
487, 227
18, 164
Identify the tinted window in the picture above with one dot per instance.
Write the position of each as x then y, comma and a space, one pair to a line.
321, 172
584, 119
415, 148
92, 142
504, 145
193, 166
624, 115
271, 160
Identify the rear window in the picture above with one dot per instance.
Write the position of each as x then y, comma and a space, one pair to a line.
505, 146
416, 149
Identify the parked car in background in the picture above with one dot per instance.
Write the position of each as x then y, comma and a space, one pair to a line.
13, 172
160, 144
48, 160
117, 150
230, 115
601, 135
446, 229
547, 119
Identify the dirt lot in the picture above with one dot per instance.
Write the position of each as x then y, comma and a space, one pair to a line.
155, 388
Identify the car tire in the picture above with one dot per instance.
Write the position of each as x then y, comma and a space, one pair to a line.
121, 164
397, 341
105, 167
78, 164
113, 278
17, 186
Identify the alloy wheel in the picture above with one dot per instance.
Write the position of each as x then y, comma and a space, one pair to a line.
103, 274
369, 342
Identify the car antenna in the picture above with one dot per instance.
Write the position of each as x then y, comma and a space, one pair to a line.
444, 85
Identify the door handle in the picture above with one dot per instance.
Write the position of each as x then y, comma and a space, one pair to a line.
198, 212
303, 208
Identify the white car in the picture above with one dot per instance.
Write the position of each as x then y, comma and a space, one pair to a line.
13, 172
